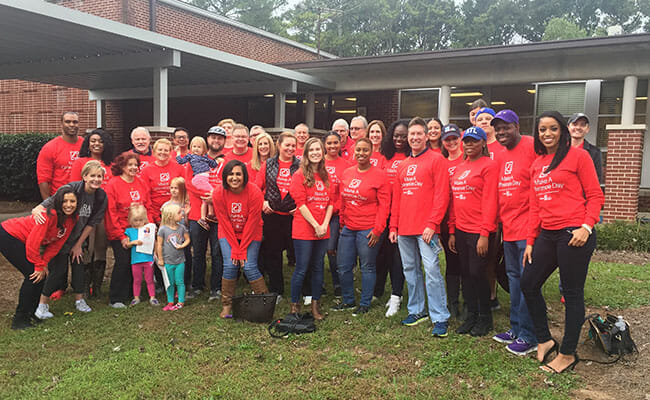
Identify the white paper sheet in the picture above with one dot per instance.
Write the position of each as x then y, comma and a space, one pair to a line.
147, 234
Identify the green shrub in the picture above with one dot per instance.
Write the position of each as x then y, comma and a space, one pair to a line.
624, 235
18, 153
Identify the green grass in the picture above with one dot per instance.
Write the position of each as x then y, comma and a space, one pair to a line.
146, 353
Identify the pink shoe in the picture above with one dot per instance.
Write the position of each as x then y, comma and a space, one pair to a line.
169, 307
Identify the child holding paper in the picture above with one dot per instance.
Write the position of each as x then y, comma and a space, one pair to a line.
141, 258
173, 237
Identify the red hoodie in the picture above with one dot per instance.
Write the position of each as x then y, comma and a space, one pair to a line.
35, 236
55, 160
568, 196
317, 199
474, 197
420, 194
240, 217
365, 199
158, 179
78, 164
514, 188
121, 195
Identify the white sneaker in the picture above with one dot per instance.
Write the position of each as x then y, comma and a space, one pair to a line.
393, 305
307, 300
82, 306
43, 312
278, 299
118, 305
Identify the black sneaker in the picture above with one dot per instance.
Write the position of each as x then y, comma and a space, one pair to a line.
483, 325
494, 304
360, 310
468, 324
343, 307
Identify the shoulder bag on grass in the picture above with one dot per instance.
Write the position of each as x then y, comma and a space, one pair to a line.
293, 323
611, 335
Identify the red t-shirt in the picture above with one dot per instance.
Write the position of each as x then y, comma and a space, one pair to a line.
121, 194
145, 160
365, 199
453, 164
378, 160
78, 164
240, 217
392, 165
335, 169
54, 162
420, 194
347, 151
35, 236
474, 197
495, 148
299, 152
245, 158
317, 199
568, 196
158, 179
514, 188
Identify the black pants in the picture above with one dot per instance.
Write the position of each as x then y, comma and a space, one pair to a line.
551, 250
476, 290
30, 292
277, 235
388, 262
452, 264
121, 287
58, 275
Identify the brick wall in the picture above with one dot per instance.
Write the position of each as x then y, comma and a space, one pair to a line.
623, 174
382, 105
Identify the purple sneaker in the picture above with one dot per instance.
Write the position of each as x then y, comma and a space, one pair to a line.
520, 347
505, 337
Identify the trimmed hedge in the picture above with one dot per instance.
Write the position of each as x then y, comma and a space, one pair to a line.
624, 235
18, 153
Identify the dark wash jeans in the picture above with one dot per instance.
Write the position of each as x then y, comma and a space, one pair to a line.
199, 238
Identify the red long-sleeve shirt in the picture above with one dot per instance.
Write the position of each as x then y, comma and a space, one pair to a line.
78, 164
568, 196
474, 197
240, 217
335, 169
121, 195
245, 158
55, 160
347, 151
35, 236
378, 160
420, 194
514, 188
158, 178
365, 199
392, 165
495, 148
317, 199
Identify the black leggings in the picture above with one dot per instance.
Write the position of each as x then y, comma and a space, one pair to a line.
121, 287
476, 290
58, 275
389, 262
277, 235
551, 250
30, 292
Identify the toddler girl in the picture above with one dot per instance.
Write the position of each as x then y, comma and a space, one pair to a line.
140, 262
173, 237
201, 165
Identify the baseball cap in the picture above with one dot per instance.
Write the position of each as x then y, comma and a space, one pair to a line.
217, 130
484, 110
577, 116
475, 132
450, 130
507, 116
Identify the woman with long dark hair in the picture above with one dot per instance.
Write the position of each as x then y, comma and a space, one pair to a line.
96, 146
434, 134
565, 204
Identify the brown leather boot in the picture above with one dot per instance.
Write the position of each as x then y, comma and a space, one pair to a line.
259, 286
295, 308
315, 310
228, 287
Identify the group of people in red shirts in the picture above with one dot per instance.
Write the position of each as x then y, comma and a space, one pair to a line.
389, 200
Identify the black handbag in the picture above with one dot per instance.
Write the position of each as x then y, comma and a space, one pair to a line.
293, 323
254, 307
608, 338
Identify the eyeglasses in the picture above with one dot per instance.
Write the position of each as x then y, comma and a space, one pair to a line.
71, 121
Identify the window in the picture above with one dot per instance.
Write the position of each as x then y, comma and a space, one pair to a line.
418, 103
566, 98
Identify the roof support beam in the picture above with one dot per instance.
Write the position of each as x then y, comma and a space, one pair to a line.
160, 97
280, 110
225, 89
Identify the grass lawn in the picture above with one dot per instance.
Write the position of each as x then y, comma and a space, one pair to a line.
145, 353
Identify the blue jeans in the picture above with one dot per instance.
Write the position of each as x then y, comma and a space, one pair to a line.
332, 245
411, 248
176, 276
250, 266
308, 252
352, 243
199, 237
520, 321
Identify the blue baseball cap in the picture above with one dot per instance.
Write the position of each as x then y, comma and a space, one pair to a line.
475, 132
507, 116
450, 130
485, 110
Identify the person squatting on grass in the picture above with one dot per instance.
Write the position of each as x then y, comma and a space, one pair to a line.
91, 203
172, 238
421, 187
314, 195
238, 207
21, 240
565, 203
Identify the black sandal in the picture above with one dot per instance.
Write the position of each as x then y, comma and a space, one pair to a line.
548, 368
553, 349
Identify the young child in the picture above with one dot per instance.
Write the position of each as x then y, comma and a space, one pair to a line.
201, 165
179, 197
173, 237
140, 262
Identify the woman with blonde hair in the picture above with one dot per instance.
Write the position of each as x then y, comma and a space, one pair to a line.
263, 149
158, 175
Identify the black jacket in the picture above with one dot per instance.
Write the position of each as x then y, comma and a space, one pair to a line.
597, 158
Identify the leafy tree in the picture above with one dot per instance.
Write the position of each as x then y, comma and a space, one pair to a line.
257, 13
561, 28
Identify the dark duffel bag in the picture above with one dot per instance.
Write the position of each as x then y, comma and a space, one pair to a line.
254, 307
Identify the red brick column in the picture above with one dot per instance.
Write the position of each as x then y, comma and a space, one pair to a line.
623, 171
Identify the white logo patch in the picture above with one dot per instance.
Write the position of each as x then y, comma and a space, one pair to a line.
235, 208
164, 177
508, 168
354, 183
284, 172
135, 195
411, 170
